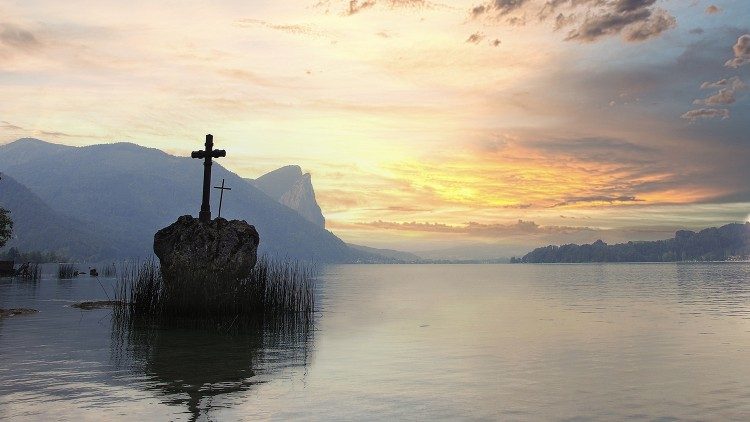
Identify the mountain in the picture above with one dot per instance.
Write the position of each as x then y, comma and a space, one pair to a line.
728, 242
290, 187
36, 226
127, 192
388, 253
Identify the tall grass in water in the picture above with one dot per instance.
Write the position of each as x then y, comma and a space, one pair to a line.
65, 271
34, 272
273, 291
109, 270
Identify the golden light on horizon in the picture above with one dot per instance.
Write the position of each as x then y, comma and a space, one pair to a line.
406, 111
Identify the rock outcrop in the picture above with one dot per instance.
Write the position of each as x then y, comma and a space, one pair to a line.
220, 247
289, 186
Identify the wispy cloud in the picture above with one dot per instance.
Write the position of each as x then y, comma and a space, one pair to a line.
475, 38
355, 6
706, 113
474, 229
15, 36
596, 200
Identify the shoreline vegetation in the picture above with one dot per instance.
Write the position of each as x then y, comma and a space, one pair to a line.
34, 257
727, 243
274, 290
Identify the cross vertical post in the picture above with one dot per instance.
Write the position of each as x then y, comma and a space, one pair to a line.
221, 195
207, 155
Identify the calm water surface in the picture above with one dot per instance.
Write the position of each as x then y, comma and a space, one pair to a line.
412, 342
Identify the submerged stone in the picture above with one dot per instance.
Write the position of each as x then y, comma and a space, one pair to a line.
218, 247
99, 304
16, 311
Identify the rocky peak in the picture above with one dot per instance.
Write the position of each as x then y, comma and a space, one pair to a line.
289, 186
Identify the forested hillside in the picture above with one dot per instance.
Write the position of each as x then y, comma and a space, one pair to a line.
731, 241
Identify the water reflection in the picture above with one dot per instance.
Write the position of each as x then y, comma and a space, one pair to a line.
714, 288
205, 368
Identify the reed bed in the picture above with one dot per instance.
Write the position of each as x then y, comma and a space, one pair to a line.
34, 272
66, 271
274, 291
109, 270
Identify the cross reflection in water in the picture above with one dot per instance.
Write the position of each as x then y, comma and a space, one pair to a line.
194, 366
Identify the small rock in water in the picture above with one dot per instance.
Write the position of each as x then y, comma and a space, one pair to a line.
16, 311
100, 304
220, 246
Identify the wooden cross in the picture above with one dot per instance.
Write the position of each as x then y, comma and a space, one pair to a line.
221, 195
207, 155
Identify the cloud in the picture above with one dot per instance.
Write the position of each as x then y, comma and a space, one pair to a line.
741, 52
496, 42
247, 76
294, 29
597, 149
706, 113
401, 208
726, 94
727, 87
498, 7
407, 3
624, 6
479, 10
597, 199
495, 230
734, 83
712, 9
5, 125
355, 6
9, 126
596, 27
561, 21
697, 31
14, 36
637, 24
723, 97
475, 38
638, 20
652, 27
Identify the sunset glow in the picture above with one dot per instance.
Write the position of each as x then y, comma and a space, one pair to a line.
424, 124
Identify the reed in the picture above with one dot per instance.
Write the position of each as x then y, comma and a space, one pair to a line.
274, 291
109, 270
35, 271
66, 271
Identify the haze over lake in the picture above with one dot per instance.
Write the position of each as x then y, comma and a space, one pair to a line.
500, 342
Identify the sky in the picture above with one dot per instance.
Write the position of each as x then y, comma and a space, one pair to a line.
481, 128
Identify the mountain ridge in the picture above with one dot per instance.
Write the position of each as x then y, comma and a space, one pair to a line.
36, 223
728, 242
128, 191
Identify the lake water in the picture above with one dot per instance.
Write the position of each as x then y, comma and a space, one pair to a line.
405, 342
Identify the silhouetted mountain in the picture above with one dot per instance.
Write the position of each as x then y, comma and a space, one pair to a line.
290, 187
127, 192
36, 226
389, 253
731, 241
